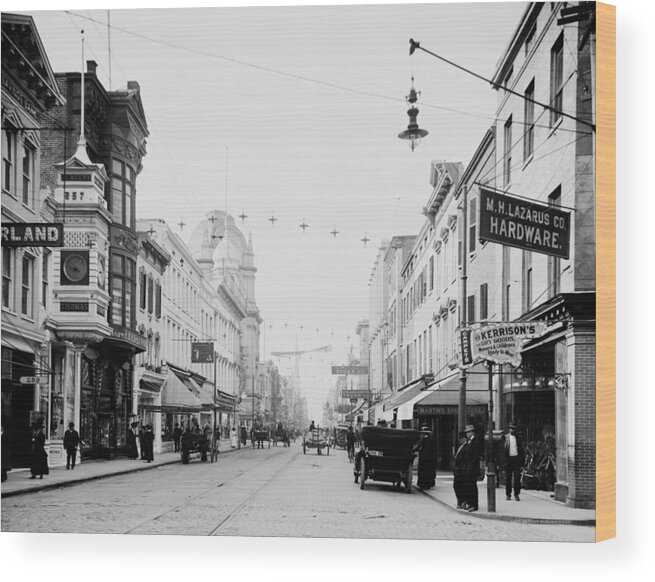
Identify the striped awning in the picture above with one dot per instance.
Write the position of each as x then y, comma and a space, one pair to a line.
176, 395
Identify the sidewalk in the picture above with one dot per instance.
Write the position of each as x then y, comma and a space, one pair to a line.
534, 507
19, 482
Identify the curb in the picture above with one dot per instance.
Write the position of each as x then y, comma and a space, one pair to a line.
530, 520
77, 481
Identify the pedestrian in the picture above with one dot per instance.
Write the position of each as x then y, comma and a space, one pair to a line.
233, 438
459, 474
427, 459
148, 441
186, 440
350, 444
141, 434
177, 434
514, 459
244, 435
71, 441
39, 464
131, 449
472, 455
6, 465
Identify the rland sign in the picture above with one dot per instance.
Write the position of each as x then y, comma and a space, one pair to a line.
33, 234
501, 343
524, 224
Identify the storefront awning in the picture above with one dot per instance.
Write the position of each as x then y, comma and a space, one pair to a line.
355, 411
407, 393
445, 392
147, 386
176, 395
18, 344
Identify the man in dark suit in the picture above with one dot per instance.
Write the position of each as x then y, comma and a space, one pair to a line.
472, 455
177, 434
71, 440
515, 457
148, 441
459, 473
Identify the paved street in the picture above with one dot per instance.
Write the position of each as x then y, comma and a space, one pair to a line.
270, 492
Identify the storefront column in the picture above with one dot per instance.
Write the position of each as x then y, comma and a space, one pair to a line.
77, 384
581, 415
561, 422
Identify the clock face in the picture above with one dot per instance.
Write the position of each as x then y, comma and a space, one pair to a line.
76, 267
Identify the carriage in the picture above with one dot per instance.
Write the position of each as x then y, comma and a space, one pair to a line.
260, 435
387, 455
315, 438
197, 443
342, 436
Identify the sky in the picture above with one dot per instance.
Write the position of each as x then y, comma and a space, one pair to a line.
294, 112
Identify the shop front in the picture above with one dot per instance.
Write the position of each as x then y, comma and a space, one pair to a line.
24, 401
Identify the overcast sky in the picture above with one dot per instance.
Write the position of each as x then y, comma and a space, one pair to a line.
307, 102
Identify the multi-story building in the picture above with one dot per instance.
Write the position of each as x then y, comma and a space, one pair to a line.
377, 323
546, 155
91, 167
29, 93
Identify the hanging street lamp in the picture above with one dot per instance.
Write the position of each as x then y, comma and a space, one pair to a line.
413, 133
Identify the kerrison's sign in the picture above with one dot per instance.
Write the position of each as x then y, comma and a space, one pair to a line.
501, 343
524, 224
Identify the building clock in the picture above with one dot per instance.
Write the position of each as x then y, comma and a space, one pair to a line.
74, 268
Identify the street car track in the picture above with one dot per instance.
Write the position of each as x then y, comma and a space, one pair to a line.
212, 488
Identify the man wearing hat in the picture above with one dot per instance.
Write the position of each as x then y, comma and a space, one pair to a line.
71, 440
515, 457
472, 453
459, 475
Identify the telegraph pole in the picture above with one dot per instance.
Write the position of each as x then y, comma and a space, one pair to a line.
461, 409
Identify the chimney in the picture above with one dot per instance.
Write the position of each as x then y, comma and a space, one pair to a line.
91, 67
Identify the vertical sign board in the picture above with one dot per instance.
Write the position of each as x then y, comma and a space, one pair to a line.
202, 352
524, 224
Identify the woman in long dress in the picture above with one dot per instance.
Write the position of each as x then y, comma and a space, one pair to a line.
39, 465
233, 438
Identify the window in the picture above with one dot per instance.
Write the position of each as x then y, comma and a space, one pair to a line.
470, 309
431, 273
430, 365
506, 283
150, 294
143, 289
484, 301
6, 276
508, 78
8, 156
45, 267
528, 127
28, 175
27, 286
553, 263
527, 281
472, 224
157, 299
556, 80
123, 291
507, 160
122, 193
529, 40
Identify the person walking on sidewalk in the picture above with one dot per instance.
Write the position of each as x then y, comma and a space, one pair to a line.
515, 457
472, 455
148, 440
39, 464
177, 434
459, 473
132, 450
71, 441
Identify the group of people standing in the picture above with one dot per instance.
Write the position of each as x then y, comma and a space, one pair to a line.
146, 440
467, 469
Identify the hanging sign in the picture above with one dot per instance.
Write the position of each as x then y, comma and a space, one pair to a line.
524, 224
202, 352
355, 394
33, 234
501, 343
341, 370
466, 354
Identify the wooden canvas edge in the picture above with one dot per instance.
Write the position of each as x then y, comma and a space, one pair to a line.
606, 272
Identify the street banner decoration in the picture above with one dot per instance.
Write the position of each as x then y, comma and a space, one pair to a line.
524, 224
501, 343
33, 234
342, 370
202, 352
